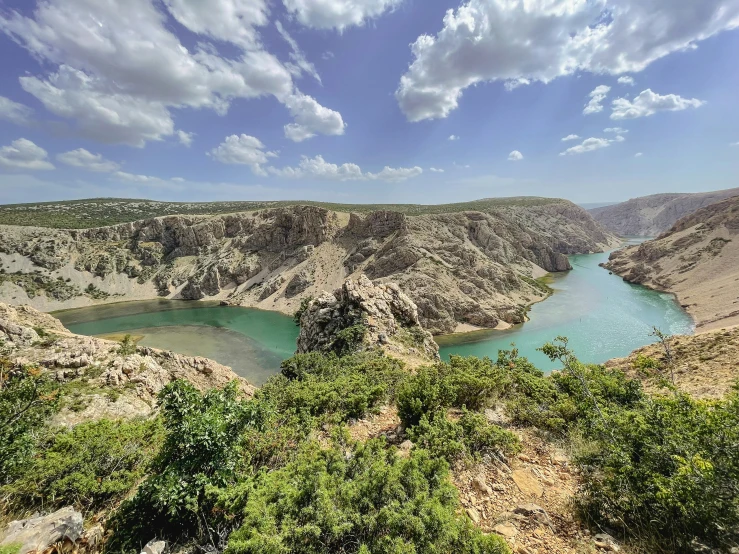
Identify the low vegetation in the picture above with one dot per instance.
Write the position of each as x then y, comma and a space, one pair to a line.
280, 472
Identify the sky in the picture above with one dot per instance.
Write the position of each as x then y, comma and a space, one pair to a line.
367, 101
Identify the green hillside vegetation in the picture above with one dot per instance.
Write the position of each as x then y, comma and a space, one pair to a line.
279, 473
100, 212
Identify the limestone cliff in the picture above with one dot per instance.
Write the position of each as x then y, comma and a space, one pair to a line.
360, 316
110, 381
462, 267
649, 216
698, 260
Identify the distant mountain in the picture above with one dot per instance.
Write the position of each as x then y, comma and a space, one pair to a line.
697, 260
649, 216
593, 205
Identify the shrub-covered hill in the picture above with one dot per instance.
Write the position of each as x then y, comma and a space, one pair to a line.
300, 468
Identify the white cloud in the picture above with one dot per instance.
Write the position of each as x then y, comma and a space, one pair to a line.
570, 137
337, 14
299, 62
626, 80
24, 154
14, 112
435, 170
453, 137
638, 155
734, 144
311, 118
318, 168
243, 150
490, 40
327, 55
185, 138
596, 100
649, 103
515, 156
617, 130
120, 69
588, 145
87, 160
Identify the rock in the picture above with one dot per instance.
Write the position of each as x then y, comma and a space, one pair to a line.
528, 509
474, 515
480, 484
36, 534
154, 547
606, 542
527, 483
406, 446
499, 487
507, 530
271, 287
299, 283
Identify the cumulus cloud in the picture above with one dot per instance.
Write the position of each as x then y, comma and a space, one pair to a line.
588, 145
596, 100
490, 40
435, 170
515, 156
570, 137
299, 63
649, 103
311, 118
318, 168
337, 14
185, 138
453, 137
626, 80
617, 130
14, 112
24, 154
119, 69
243, 150
638, 155
87, 160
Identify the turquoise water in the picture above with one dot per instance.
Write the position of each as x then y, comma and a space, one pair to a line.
603, 317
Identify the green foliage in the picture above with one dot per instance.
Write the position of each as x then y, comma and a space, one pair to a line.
128, 346
91, 466
36, 284
348, 341
667, 472
468, 439
342, 387
201, 448
463, 382
304, 303
12, 548
645, 363
363, 499
27, 400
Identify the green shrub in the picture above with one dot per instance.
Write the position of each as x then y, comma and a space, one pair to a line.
666, 472
91, 466
128, 346
27, 399
364, 500
482, 437
426, 393
349, 340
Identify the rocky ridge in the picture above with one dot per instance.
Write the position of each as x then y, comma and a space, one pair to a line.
697, 260
381, 316
474, 268
110, 381
649, 216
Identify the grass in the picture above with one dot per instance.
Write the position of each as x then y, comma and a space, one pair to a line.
100, 212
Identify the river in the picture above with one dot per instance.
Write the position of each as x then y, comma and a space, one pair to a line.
602, 316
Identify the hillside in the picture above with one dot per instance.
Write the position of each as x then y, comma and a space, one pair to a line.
649, 216
103, 212
461, 268
697, 260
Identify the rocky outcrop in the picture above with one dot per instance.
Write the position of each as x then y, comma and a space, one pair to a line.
459, 267
360, 316
649, 216
697, 260
133, 376
59, 532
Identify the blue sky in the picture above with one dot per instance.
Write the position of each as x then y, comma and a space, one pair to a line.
356, 100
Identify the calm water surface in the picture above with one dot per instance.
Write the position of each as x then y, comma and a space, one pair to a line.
603, 317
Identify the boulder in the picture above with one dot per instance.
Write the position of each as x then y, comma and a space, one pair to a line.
37, 534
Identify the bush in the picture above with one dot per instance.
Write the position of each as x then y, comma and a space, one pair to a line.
363, 499
349, 340
128, 346
91, 466
666, 472
27, 399
202, 436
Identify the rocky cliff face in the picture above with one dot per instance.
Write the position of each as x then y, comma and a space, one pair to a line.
117, 383
697, 259
362, 316
469, 267
650, 216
